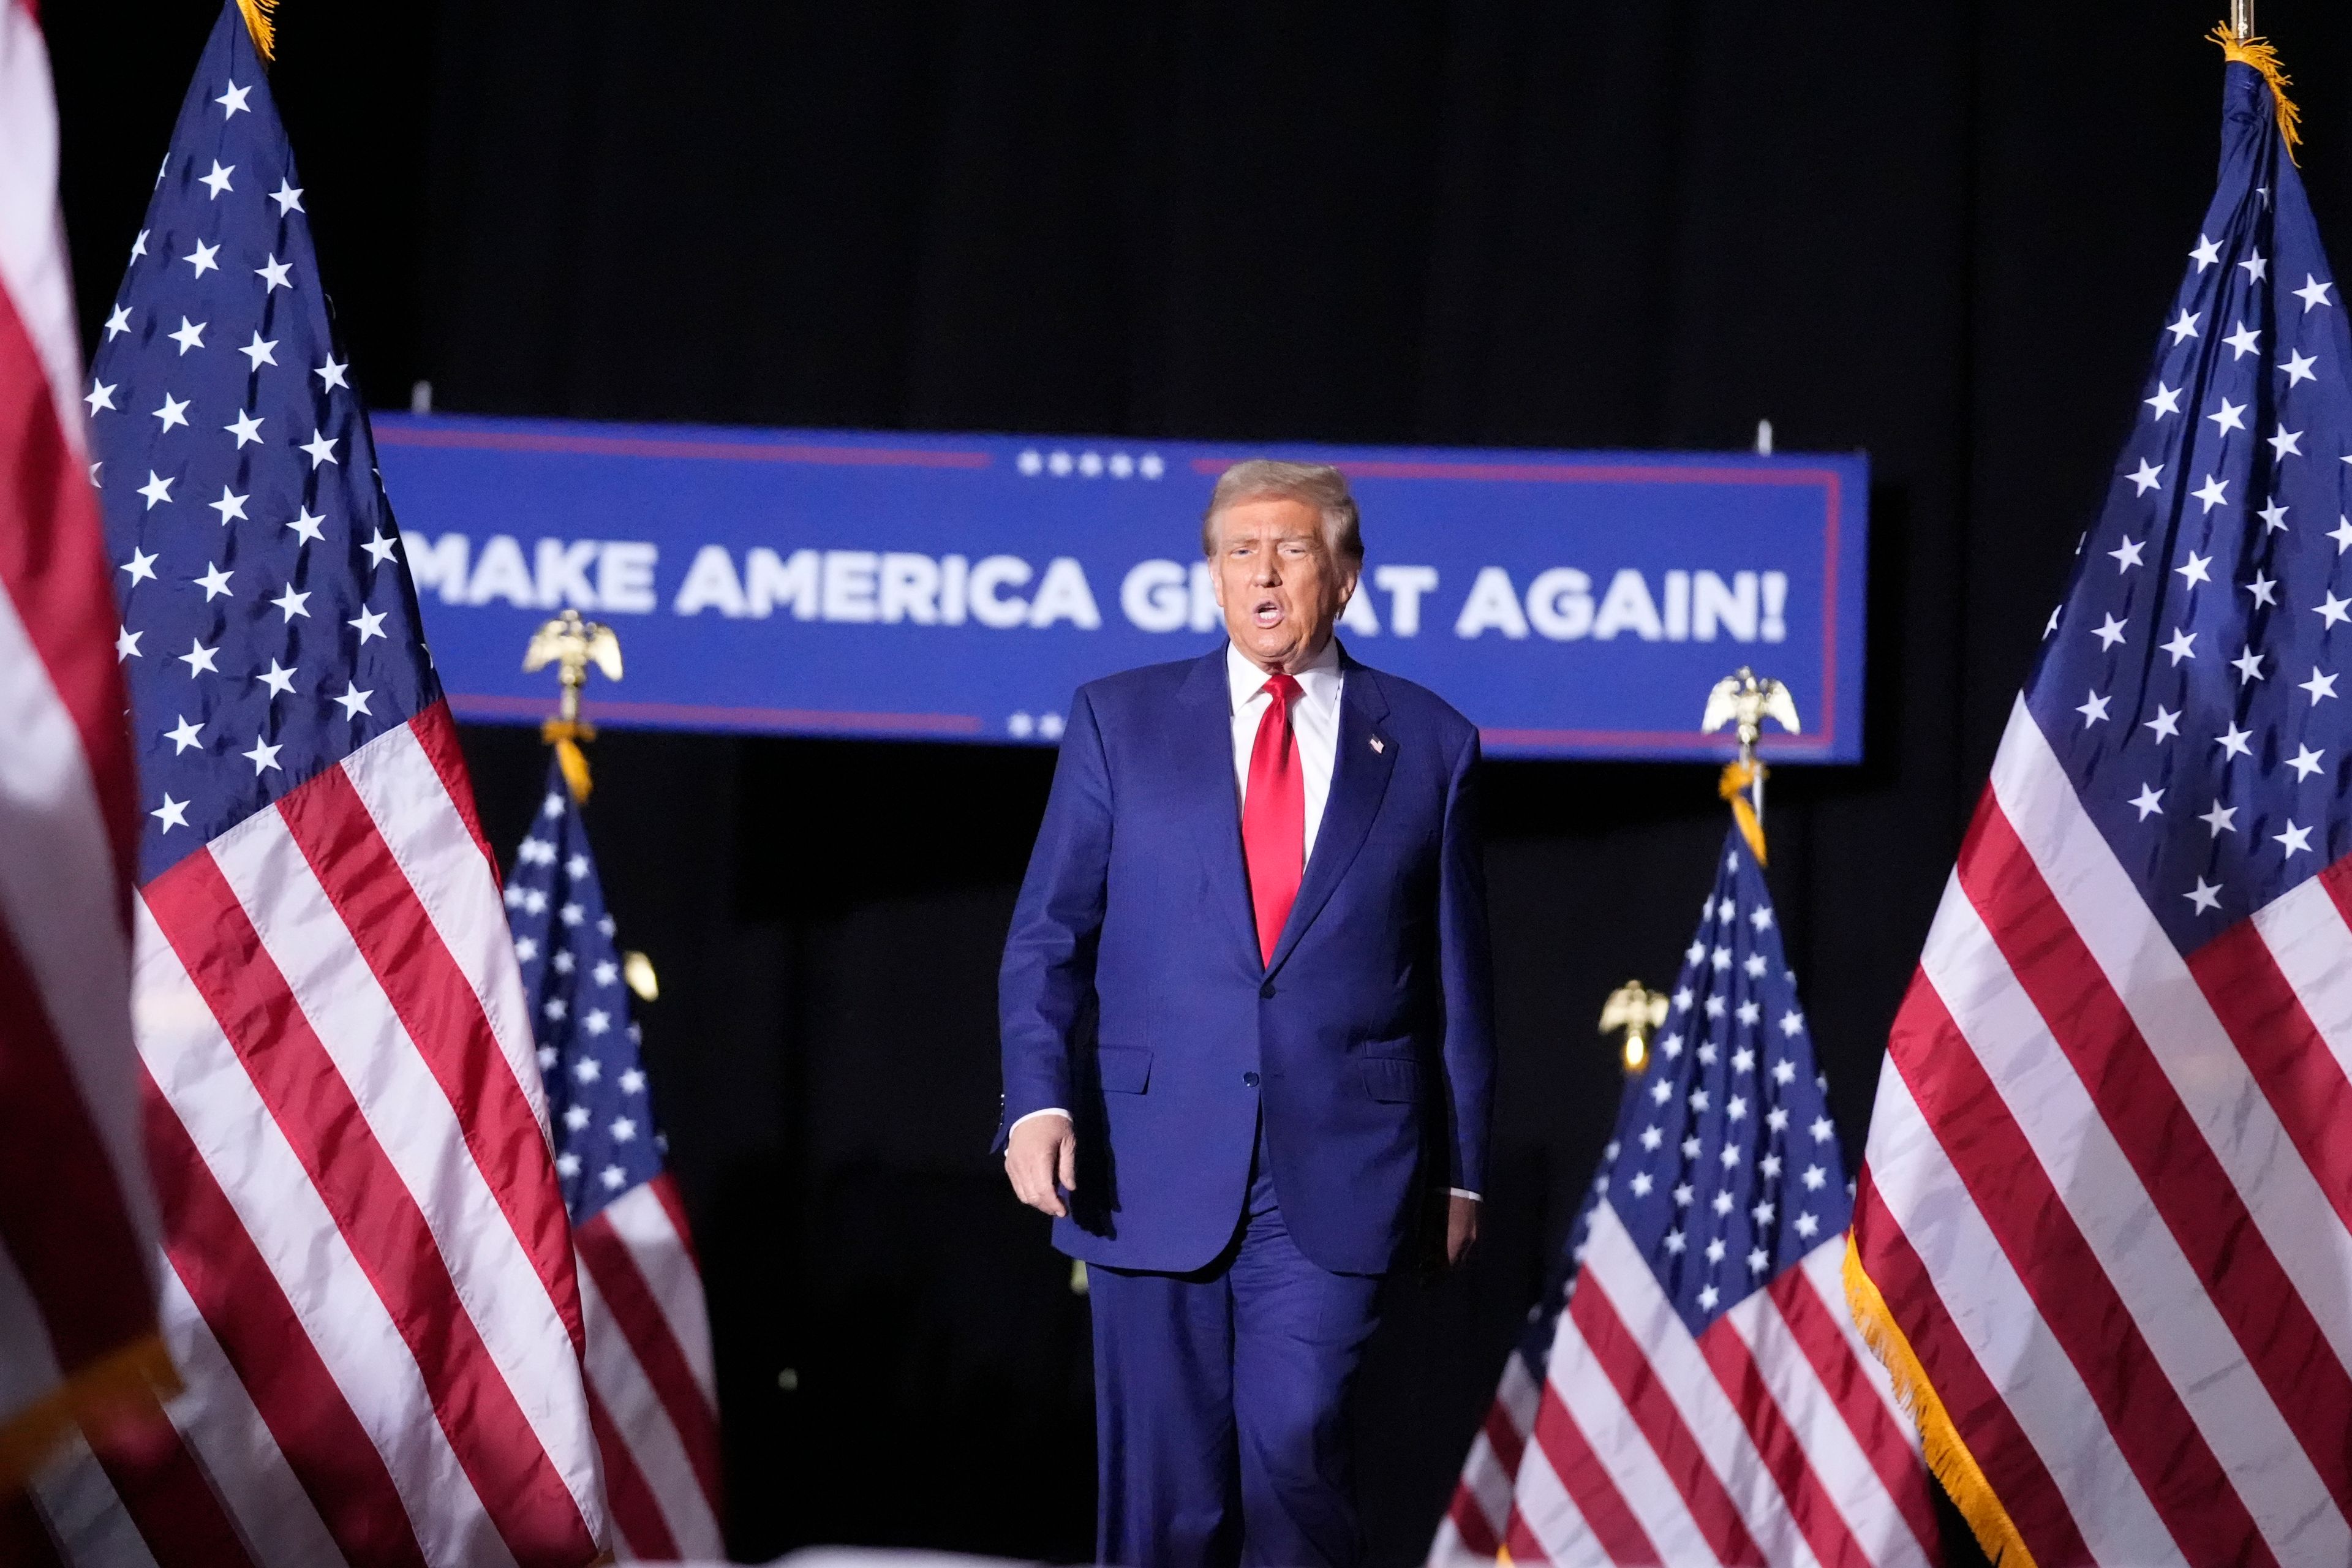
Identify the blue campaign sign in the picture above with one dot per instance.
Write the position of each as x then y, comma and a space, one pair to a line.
960, 587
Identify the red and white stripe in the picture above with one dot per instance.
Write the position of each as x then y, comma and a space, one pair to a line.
650, 1379
77, 1217
2107, 1196
1480, 1517
1769, 1437
374, 1286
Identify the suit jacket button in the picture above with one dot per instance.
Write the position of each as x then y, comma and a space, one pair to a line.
1266, 990
1249, 1080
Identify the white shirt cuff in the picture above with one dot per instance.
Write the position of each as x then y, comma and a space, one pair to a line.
1465, 1192
1049, 1110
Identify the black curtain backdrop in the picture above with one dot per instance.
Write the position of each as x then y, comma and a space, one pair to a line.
1944, 233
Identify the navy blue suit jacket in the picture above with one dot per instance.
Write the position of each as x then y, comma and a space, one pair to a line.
1133, 994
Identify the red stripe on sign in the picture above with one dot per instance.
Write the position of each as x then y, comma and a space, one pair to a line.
635, 1512
167, 1494
2084, 1312
1469, 1517
373, 1208
334, 1459
2299, 1074
1980, 1418
1829, 1347
1824, 1528
2186, 1182
63, 1221
438, 1005
437, 737
1587, 1481
53, 569
1627, 1367
639, 1316
1504, 1436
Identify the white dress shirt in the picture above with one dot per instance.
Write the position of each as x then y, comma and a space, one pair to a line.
1314, 724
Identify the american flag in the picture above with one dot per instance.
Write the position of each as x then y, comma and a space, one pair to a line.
370, 1288
650, 1387
77, 1227
2103, 1229
1706, 1398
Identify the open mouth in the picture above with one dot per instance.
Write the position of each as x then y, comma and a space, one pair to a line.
1266, 613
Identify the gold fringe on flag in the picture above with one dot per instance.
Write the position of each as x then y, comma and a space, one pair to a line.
565, 735
1733, 787
123, 1385
1947, 1457
2259, 53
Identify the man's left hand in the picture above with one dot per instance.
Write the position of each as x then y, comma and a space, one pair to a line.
1460, 1228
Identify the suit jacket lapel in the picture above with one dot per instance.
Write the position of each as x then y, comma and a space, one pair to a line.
1204, 752
1359, 778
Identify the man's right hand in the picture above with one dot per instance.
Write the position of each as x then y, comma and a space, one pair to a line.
1040, 1150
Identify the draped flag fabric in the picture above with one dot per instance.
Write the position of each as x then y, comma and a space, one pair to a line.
1706, 1399
370, 1290
650, 1383
77, 1227
2104, 1230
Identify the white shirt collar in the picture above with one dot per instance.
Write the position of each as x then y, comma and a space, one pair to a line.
1319, 679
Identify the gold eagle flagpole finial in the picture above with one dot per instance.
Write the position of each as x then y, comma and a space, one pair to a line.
1637, 1010
1745, 700
572, 645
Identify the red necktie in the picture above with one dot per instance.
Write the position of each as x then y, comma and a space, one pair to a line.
1274, 816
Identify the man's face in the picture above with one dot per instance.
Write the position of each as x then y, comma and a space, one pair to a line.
1276, 581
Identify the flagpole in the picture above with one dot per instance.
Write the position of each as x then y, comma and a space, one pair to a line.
2242, 18
1745, 700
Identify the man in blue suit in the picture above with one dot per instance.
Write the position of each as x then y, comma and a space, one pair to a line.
1247, 1036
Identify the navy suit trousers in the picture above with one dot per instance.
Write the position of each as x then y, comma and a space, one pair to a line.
1219, 1403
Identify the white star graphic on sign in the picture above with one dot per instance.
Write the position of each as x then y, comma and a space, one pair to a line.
571, 914
199, 658
2263, 589
1762, 918
2243, 340
2146, 477
2205, 897
2165, 401
2334, 610
369, 625
380, 549
2273, 517
1821, 1129
2149, 802
2298, 367
1698, 1101
2221, 819
1807, 1225
288, 197
214, 582
1709, 1297
260, 352
1683, 1195
173, 412
1726, 910
1743, 1060
1720, 958
1674, 1241
2313, 292
2195, 570
263, 757
2255, 264
1730, 1155
274, 274
246, 427
321, 449
331, 374
292, 604
1651, 1136
1671, 1046
217, 181
201, 258
2207, 252
141, 566
1792, 1023
1661, 1091
2319, 685
597, 1021
1706, 1052
613, 1177
191, 335
1757, 1260
305, 525
634, 1082
2228, 417
2092, 709
156, 489
2294, 840
2249, 665
2182, 330
231, 506
278, 679
1695, 951
1714, 1007
576, 1117
2126, 555
172, 813
100, 394
354, 703
2109, 633
2213, 492
2305, 761
1736, 1108
1777, 1118
183, 735
2232, 741
623, 1129
118, 323
2286, 443
126, 644
567, 1164
1755, 964
2166, 724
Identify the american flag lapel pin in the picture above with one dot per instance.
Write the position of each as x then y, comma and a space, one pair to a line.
1379, 744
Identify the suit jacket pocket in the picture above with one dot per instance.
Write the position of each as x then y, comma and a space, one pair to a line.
1126, 1070
1392, 1079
